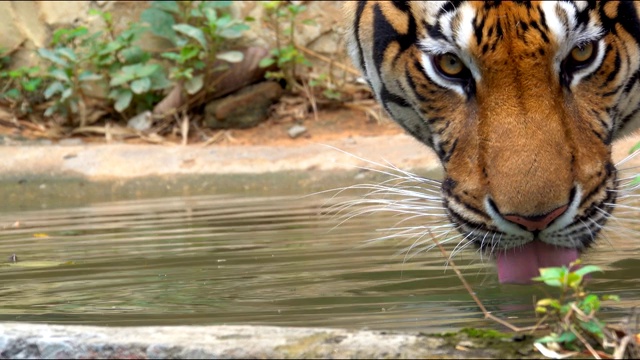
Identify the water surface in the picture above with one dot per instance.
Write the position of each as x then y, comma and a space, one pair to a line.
260, 259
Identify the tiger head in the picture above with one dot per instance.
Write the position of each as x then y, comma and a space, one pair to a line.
521, 102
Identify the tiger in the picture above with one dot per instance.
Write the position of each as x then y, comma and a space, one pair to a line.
521, 101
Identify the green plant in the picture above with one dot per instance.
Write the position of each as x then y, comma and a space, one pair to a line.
199, 32
70, 76
102, 65
21, 85
286, 55
326, 86
130, 79
574, 312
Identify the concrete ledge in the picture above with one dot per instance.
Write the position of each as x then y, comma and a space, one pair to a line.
19, 341
121, 161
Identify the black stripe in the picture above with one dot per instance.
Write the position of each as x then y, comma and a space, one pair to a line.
356, 26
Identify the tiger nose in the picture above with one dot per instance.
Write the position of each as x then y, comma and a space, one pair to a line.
539, 222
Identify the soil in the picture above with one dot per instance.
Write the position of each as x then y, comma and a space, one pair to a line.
330, 124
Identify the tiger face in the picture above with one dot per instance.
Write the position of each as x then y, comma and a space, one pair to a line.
521, 102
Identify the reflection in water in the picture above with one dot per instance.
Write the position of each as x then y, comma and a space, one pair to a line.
253, 260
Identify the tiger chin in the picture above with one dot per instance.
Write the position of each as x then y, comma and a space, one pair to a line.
520, 101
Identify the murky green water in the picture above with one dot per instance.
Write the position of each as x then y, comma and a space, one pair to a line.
241, 258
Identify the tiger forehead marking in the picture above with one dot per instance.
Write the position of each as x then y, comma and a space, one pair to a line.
520, 100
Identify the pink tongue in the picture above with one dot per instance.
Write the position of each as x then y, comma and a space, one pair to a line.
519, 265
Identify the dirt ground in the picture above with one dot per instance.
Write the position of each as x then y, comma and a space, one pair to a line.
330, 124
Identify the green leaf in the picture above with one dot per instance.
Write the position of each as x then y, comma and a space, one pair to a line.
53, 88
590, 303
68, 53
13, 74
610, 297
67, 35
592, 326
587, 269
141, 86
549, 302
266, 62
188, 53
553, 276
160, 23
89, 76
12, 94
224, 21
50, 110
31, 85
159, 80
121, 77
194, 84
123, 100
234, 31
635, 148
134, 54
60, 75
168, 6
566, 337
146, 69
573, 280
51, 56
332, 94
171, 56
231, 56
217, 4
193, 32
548, 339
199, 65
110, 48
132, 72
212, 16
66, 94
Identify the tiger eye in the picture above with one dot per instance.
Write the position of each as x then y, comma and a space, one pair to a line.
582, 53
450, 64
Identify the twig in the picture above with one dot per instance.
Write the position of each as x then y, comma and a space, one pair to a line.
585, 343
344, 67
466, 285
184, 128
621, 349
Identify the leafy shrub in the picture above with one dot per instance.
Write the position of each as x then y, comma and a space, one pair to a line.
83, 63
283, 18
199, 32
21, 85
574, 312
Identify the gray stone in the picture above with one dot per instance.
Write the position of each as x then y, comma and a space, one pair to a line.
296, 130
20, 340
141, 122
243, 109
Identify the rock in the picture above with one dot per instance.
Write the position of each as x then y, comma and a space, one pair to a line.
141, 122
243, 109
296, 130
22, 340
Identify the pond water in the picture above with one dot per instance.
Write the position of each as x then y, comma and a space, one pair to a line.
262, 259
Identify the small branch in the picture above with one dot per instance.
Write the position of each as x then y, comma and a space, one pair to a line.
466, 285
585, 343
344, 67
